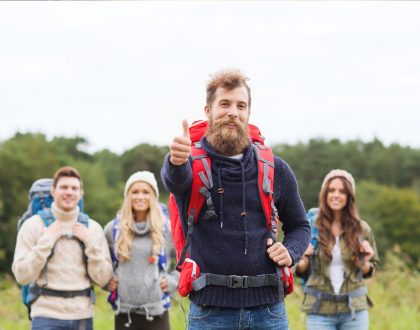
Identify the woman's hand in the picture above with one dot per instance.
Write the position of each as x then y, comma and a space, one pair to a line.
303, 264
164, 284
309, 251
112, 284
367, 250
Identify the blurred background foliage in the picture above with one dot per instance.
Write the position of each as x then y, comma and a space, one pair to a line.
388, 182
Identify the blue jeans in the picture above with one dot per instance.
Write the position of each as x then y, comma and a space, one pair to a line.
340, 321
271, 317
46, 323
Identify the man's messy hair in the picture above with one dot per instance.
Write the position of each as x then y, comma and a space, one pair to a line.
227, 79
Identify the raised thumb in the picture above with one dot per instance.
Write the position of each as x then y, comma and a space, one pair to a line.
186, 129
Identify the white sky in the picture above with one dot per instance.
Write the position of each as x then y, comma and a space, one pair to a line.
123, 73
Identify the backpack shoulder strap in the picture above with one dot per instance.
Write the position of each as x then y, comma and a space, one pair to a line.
166, 225
265, 160
162, 261
83, 218
178, 236
46, 216
312, 215
116, 231
202, 182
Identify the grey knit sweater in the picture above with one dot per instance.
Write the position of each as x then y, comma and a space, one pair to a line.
138, 288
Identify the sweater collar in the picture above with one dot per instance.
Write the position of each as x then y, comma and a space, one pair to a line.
64, 215
142, 227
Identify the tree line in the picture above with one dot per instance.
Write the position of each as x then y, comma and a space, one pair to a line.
387, 193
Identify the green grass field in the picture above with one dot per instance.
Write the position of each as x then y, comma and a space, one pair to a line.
395, 292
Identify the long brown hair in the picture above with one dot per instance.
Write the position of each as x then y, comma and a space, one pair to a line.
350, 221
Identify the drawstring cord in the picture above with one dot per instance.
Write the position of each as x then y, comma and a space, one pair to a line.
136, 309
127, 325
220, 190
244, 213
148, 316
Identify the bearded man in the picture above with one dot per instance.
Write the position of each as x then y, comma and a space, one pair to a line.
236, 242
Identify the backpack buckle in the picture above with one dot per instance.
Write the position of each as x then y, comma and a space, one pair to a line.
236, 281
67, 236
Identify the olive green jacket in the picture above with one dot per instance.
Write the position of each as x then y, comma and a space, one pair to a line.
319, 278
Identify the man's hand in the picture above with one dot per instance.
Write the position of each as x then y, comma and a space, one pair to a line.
54, 230
164, 284
81, 232
180, 147
112, 284
278, 253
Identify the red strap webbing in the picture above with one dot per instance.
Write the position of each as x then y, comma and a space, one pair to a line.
197, 199
265, 172
266, 189
176, 227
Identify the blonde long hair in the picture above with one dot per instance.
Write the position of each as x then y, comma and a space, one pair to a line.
154, 218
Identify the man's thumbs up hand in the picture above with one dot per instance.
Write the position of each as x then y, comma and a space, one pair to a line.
186, 129
180, 147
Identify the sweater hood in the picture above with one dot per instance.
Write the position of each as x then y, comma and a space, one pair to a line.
231, 170
231, 165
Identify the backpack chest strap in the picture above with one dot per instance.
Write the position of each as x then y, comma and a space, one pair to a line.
235, 281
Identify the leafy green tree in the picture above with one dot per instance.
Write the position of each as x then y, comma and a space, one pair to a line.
394, 215
394, 165
101, 201
111, 165
144, 157
71, 148
22, 158
399, 211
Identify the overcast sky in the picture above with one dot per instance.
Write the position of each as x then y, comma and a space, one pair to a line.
123, 73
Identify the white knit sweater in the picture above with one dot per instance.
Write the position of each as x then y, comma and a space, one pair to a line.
66, 269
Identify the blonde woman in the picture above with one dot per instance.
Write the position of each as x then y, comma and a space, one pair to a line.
138, 238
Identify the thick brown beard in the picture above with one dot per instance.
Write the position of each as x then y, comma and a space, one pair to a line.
225, 141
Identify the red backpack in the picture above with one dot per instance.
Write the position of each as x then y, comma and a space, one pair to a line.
201, 182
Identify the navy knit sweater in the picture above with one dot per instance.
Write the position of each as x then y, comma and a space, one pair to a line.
239, 246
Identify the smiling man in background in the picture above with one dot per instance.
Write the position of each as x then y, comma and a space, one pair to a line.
61, 257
